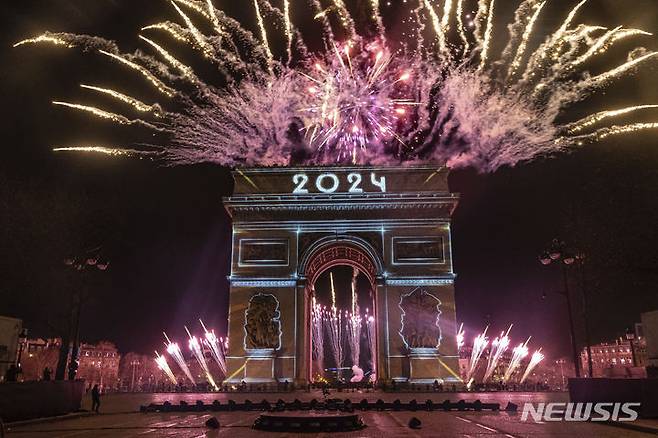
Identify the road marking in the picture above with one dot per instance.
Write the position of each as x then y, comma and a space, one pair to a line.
486, 427
482, 426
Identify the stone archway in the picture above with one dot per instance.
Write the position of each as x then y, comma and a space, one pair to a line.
345, 251
286, 233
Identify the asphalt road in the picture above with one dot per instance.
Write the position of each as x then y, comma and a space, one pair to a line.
120, 419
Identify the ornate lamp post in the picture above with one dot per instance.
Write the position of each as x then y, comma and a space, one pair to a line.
557, 252
630, 335
83, 263
134, 364
22, 341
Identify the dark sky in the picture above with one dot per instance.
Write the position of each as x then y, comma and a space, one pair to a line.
167, 235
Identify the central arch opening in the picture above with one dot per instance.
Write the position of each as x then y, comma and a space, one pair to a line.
343, 323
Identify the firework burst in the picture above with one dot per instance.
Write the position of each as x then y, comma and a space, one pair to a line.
442, 96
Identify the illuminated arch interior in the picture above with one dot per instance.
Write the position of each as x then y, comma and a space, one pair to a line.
343, 254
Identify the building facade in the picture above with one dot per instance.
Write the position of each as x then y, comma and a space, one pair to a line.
10, 329
617, 359
650, 334
292, 224
99, 365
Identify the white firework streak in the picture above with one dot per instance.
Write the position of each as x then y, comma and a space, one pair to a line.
175, 352
216, 348
317, 328
458, 106
536, 357
479, 345
354, 336
372, 339
518, 354
498, 349
334, 325
460, 337
161, 361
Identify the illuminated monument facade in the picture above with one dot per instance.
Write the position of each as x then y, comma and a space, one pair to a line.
292, 224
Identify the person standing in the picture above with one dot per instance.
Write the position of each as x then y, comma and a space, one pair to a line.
95, 399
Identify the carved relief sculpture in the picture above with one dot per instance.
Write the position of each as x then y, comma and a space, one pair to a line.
420, 319
262, 326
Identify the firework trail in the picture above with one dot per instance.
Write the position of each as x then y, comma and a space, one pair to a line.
355, 298
460, 337
518, 354
536, 357
317, 326
498, 349
174, 351
372, 339
479, 345
333, 291
216, 347
438, 94
353, 323
161, 361
197, 351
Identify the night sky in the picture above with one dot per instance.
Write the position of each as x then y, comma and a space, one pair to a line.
167, 235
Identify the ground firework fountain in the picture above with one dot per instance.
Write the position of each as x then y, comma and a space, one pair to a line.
217, 347
498, 348
197, 351
479, 345
366, 98
161, 361
536, 357
334, 326
518, 354
317, 329
353, 323
175, 352
372, 342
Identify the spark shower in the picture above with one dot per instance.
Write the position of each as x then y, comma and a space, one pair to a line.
439, 93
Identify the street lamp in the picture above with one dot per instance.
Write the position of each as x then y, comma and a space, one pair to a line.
630, 335
134, 364
557, 252
22, 340
89, 260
